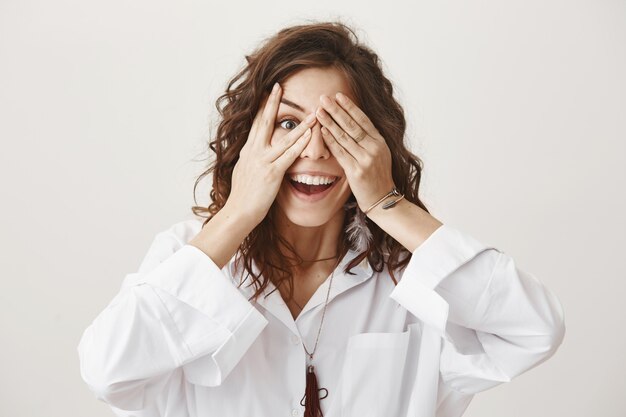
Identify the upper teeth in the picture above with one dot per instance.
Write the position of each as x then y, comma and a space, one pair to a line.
312, 179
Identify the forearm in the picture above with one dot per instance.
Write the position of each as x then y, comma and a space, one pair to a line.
221, 236
406, 222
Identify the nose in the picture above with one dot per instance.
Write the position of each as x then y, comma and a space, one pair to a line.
316, 148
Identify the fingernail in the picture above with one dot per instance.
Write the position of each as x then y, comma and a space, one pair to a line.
340, 98
310, 118
275, 88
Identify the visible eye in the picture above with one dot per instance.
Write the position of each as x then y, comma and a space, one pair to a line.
291, 121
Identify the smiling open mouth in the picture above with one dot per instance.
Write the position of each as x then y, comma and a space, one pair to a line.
309, 189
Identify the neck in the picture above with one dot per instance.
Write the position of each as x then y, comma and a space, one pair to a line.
313, 242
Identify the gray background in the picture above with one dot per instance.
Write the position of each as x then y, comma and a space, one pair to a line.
514, 106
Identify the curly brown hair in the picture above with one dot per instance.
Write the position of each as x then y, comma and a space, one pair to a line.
323, 45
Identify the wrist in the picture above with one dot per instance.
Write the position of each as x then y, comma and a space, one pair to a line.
378, 211
386, 202
406, 222
238, 218
223, 234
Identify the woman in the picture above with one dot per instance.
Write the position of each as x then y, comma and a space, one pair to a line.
381, 309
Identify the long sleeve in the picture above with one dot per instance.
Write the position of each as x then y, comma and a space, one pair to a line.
496, 320
178, 307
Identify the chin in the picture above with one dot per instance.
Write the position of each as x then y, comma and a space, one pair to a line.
307, 219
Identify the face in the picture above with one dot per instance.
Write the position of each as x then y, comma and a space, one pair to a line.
301, 96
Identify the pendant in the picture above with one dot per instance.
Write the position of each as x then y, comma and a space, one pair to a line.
311, 394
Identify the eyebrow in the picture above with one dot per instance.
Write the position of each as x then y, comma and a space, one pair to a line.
292, 104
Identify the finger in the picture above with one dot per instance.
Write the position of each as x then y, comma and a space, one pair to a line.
290, 138
256, 121
286, 158
344, 120
345, 159
266, 125
358, 115
340, 136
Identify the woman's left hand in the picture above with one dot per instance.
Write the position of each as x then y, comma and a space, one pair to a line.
359, 148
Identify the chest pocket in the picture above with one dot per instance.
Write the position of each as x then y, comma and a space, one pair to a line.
374, 369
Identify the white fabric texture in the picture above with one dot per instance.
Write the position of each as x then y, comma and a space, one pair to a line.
181, 340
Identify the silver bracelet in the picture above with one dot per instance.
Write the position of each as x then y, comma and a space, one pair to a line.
389, 204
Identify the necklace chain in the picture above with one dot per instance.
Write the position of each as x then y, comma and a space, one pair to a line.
315, 260
323, 259
323, 314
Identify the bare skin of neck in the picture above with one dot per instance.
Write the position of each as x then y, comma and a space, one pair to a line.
311, 243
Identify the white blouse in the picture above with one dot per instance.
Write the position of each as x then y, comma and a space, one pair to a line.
180, 339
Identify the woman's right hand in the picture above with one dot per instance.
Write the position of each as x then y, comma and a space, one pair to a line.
260, 170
